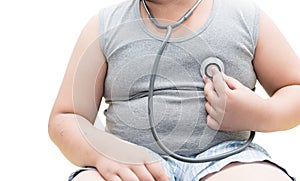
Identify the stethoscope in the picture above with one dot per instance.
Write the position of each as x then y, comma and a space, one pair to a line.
204, 69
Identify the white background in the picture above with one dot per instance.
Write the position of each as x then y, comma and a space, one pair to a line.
36, 40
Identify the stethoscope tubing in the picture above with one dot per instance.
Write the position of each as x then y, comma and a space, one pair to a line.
151, 117
165, 41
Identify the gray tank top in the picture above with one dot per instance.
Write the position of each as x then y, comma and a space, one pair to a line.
230, 33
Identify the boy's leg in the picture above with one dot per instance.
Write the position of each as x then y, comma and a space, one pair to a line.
249, 172
90, 175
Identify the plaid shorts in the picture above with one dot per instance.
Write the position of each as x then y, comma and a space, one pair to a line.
178, 170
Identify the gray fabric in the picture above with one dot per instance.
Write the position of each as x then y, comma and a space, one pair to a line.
230, 33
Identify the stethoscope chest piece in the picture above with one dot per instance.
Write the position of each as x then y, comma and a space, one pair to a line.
208, 64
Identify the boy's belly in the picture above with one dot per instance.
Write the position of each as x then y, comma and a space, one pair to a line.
180, 119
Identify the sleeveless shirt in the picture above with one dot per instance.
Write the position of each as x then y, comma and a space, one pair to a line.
130, 47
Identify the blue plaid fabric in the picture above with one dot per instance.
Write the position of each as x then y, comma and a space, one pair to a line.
195, 171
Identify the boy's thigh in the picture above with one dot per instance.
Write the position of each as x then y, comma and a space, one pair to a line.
90, 175
249, 172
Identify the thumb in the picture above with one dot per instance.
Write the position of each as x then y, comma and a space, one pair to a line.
231, 82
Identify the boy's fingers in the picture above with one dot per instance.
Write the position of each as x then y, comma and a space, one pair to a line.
212, 123
142, 173
218, 81
157, 171
209, 91
127, 174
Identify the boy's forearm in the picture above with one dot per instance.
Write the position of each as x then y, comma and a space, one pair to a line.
283, 110
66, 134
84, 145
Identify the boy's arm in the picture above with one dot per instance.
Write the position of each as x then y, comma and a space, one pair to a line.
79, 96
278, 70
74, 112
232, 106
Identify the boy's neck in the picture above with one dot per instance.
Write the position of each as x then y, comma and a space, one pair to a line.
169, 9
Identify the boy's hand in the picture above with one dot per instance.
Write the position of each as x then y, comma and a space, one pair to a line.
118, 159
113, 170
230, 105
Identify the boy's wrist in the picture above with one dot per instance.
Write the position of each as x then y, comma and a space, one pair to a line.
266, 119
259, 114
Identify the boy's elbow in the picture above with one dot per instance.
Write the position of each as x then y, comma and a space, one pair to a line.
52, 132
55, 129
